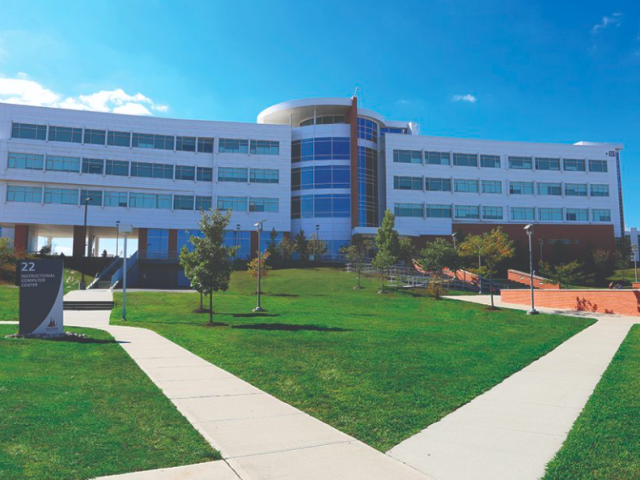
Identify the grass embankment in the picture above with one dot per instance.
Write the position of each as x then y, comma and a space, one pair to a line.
79, 410
379, 367
604, 443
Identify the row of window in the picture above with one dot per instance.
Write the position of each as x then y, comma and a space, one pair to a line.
495, 186
475, 212
494, 161
322, 148
321, 206
327, 176
99, 198
125, 168
88, 136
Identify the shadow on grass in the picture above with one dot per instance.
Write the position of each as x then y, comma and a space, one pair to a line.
286, 327
281, 295
254, 314
67, 338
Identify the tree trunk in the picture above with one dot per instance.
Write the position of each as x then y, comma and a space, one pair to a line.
201, 307
211, 306
491, 290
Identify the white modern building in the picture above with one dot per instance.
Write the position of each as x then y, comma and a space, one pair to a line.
319, 165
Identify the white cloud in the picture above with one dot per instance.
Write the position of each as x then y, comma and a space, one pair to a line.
614, 19
22, 90
465, 98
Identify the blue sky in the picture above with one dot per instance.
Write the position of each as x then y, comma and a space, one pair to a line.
520, 70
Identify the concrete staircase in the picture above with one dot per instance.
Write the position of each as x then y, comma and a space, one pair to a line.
88, 305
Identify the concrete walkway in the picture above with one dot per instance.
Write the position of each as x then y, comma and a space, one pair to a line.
513, 430
259, 436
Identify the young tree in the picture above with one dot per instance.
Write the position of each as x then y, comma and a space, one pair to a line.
316, 247
252, 266
210, 263
272, 245
388, 244
286, 248
407, 251
301, 244
7, 254
436, 256
356, 253
493, 247
571, 273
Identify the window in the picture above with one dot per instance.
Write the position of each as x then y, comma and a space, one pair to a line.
491, 186
119, 139
264, 175
598, 166
492, 213
265, 147
367, 129
490, 161
26, 161
330, 206
407, 156
28, 130
237, 204
467, 211
408, 210
601, 215
205, 145
149, 140
577, 215
183, 202
550, 214
65, 134
151, 170
523, 213
94, 195
204, 203
297, 176
24, 194
230, 145
575, 189
115, 199
328, 148
548, 164
63, 164
186, 144
465, 160
228, 174
63, 196
117, 167
438, 211
467, 186
93, 165
263, 204
438, 184
184, 172
572, 165
95, 137
599, 190
332, 176
437, 158
150, 200
549, 189
520, 163
385, 130
205, 174
407, 183
157, 243
521, 188
324, 120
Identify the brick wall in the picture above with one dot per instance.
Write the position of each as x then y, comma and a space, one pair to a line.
462, 275
621, 302
525, 279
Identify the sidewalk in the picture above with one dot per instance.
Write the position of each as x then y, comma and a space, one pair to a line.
259, 436
513, 430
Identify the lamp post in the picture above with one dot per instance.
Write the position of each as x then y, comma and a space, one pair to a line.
634, 249
117, 235
479, 267
259, 230
541, 243
83, 284
529, 230
317, 237
236, 232
453, 237
125, 229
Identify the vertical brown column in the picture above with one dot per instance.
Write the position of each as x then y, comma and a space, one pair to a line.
173, 243
143, 241
254, 244
20, 239
352, 117
79, 241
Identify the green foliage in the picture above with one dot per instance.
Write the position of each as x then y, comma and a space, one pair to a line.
7, 254
388, 244
286, 247
407, 251
302, 245
316, 247
438, 255
356, 253
273, 246
566, 274
209, 266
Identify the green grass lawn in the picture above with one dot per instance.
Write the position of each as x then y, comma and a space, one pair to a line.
73, 410
628, 275
379, 367
604, 443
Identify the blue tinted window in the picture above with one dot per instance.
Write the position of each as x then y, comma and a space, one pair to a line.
28, 130
306, 206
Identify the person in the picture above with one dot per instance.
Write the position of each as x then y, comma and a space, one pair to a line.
611, 285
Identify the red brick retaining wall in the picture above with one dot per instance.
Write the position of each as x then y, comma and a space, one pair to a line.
538, 282
621, 302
